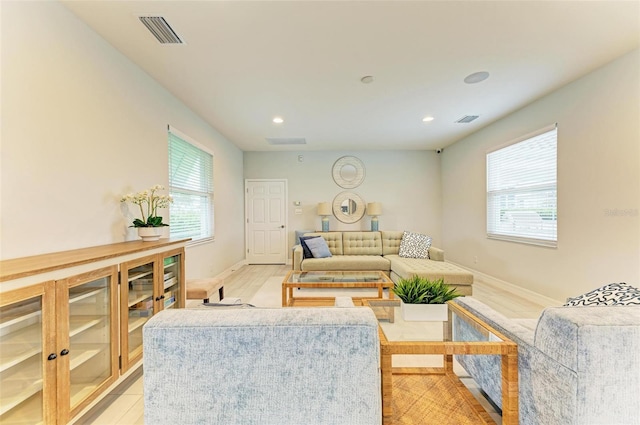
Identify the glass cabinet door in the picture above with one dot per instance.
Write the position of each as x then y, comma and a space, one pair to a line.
137, 292
23, 356
171, 294
89, 342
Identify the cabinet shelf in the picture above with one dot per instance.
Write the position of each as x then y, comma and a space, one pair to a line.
85, 352
140, 275
27, 414
90, 292
19, 346
136, 297
136, 323
78, 324
170, 282
10, 320
9, 403
28, 381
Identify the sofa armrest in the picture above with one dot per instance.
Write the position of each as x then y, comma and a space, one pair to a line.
296, 259
436, 254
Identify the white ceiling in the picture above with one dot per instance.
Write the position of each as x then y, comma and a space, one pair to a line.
245, 62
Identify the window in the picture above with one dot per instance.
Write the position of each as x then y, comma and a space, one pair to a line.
522, 190
191, 185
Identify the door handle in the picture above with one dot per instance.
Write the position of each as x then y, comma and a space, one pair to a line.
282, 227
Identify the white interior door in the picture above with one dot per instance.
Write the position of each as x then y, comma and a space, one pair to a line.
265, 205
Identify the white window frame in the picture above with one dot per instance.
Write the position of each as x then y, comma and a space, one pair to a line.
176, 191
522, 189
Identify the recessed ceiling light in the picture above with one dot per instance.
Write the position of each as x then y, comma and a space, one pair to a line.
427, 118
278, 120
476, 77
367, 79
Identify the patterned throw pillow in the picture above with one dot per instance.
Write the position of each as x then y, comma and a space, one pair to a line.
414, 245
611, 294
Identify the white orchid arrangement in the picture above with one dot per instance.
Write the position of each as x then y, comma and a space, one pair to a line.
149, 201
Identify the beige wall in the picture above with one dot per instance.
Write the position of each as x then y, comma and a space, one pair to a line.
598, 188
82, 125
407, 183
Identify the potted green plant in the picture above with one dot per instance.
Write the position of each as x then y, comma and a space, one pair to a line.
423, 299
149, 201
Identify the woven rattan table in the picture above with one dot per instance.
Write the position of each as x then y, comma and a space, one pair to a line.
331, 279
435, 395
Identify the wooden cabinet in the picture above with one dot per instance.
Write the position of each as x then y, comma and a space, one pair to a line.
60, 333
148, 285
59, 347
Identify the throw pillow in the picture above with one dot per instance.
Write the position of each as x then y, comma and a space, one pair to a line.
318, 247
306, 252
414, 245
611, 294
300, 233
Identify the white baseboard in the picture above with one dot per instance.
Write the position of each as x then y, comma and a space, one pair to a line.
231, 269
488, 280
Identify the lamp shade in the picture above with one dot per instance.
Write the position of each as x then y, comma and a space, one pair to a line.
324, 208
374, 208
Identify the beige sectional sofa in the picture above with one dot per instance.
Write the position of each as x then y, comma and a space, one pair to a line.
379, 251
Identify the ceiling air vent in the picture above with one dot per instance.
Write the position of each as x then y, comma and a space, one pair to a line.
286, 140
160, 29
467, 119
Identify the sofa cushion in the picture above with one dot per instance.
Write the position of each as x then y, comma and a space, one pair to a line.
611, 294
407, 267
414, 245
333, 239
361, 243
318, 247
391, 241
347, 262
306, 251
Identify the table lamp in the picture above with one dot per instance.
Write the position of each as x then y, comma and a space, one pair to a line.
324, 210
374, 209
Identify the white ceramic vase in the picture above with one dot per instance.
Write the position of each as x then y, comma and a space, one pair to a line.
149, 233
424, 312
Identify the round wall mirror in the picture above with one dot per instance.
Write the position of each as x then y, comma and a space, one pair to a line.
348, 207
348, 172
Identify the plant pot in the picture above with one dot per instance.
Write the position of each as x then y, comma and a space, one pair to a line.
424, 312
149, 233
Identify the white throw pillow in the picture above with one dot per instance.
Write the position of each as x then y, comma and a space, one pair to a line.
414, 245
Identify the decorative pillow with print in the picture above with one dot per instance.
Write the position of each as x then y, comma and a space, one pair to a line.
611, 294
414, 245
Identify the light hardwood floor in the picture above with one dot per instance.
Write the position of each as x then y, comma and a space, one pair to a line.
124, 405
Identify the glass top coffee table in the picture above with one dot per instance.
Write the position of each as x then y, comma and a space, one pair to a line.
331, 279
426, 394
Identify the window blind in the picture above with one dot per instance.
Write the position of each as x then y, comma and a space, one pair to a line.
522, 190
191, 185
